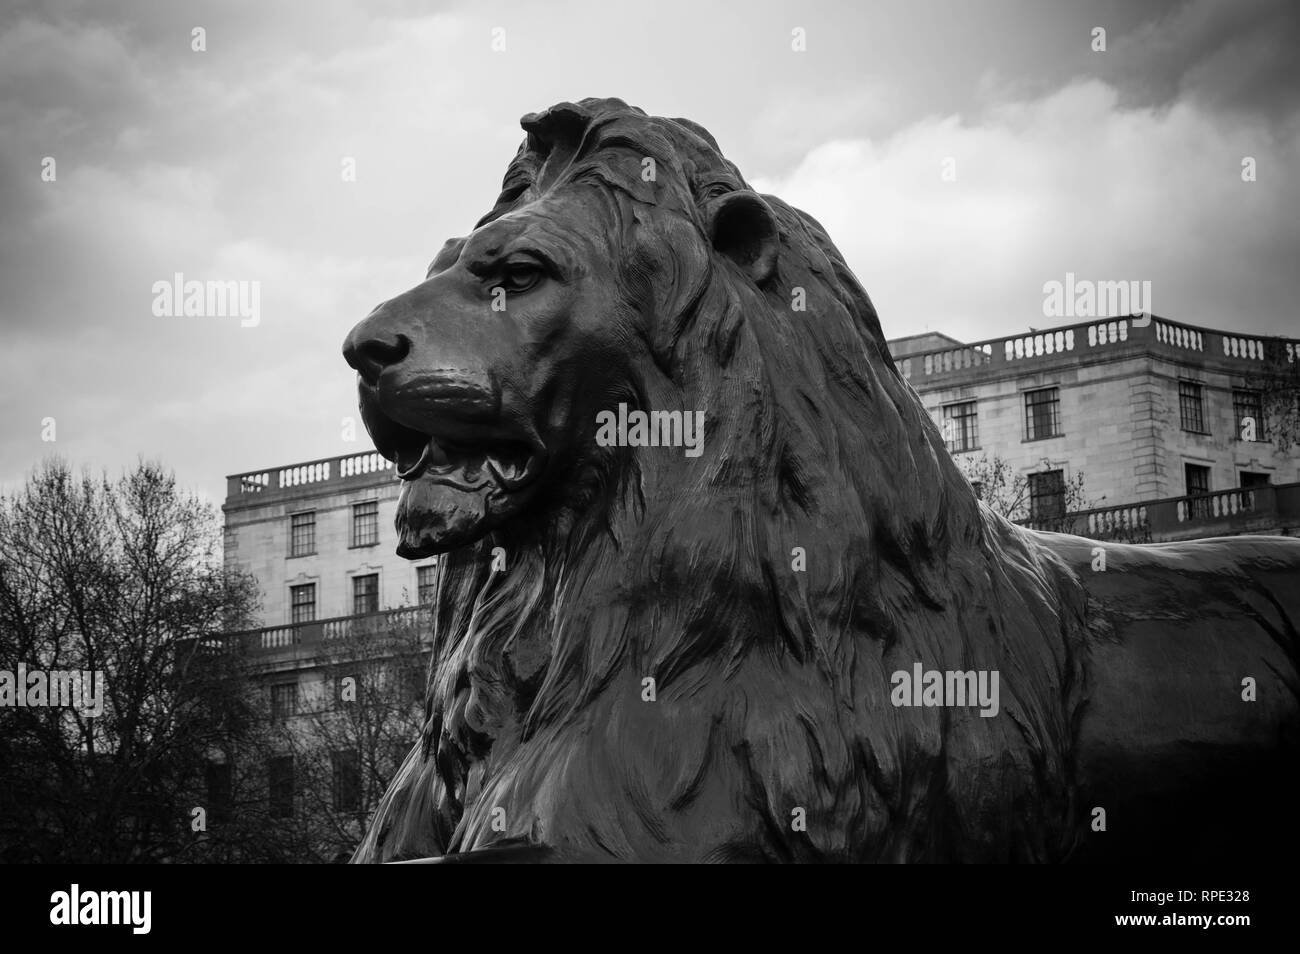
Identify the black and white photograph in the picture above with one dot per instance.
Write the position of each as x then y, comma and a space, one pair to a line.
589, 432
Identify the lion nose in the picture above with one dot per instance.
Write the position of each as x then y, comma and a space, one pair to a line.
370, 351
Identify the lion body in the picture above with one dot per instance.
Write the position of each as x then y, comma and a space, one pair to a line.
690, 658
1190, 732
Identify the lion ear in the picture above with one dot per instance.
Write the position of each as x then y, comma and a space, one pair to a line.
743, 227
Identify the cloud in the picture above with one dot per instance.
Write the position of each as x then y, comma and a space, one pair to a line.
191, 165
1238, 56
1067, 182
225, 165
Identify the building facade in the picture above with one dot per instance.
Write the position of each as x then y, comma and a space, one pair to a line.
1162, 423
341, 647
319, 538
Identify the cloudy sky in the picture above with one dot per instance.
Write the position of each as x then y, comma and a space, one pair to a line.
226, 164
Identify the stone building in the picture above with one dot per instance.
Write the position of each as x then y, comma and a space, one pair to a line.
1165, 421
342, 626
319, 538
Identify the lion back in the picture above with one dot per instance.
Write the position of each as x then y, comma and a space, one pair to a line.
1191, 724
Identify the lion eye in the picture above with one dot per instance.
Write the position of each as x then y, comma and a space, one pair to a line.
520, 276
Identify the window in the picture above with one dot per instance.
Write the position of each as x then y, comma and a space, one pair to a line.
302, 534
365, 594
1198, 482
426, 583
1046, 494
279, 775
347, 780
1042, 414
961, 427
1190, 407
302, 601
284, 700
365, 524
1198, 478
1248, 415
219, 788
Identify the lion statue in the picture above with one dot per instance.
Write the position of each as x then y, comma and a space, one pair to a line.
708, 569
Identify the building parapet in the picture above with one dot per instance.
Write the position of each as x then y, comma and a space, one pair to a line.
1271, 509
1113, 337
315, 638
260, 486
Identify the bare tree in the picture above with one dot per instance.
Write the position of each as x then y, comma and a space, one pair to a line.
302, 787
1277, 381
361, 720
1008, 491
122, 580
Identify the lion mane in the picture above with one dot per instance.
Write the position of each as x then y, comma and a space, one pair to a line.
823, 541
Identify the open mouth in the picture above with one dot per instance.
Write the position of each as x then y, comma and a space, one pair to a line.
458, 484
509, 465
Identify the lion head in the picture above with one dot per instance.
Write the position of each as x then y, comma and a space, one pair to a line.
484, 383
637, 648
